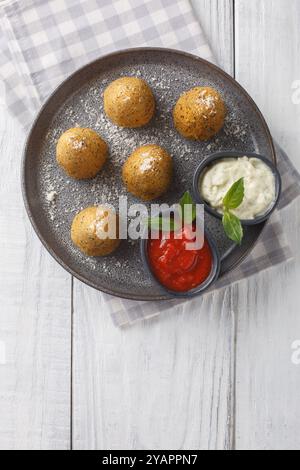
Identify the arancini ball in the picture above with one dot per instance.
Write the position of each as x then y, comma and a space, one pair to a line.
81, 152
147, 173
95, 231
199, 113
129, 102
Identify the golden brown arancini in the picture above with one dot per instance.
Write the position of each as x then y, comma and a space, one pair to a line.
95, 231
81, 152
199, 113
129, 102
147, 173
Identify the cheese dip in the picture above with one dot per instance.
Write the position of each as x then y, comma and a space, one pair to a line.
259, 180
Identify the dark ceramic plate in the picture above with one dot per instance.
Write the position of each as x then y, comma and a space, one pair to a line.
52, 199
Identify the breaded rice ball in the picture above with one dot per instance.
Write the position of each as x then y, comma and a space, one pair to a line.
199, 113
129, 102
147, 173
95, 231
81, 152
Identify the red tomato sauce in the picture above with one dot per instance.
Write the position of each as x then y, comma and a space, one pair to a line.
177, 268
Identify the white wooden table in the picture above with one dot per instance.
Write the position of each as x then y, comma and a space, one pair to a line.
218, 377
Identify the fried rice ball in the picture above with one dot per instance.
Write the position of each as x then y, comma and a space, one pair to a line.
147, 173
95, 231
199, 113
129, 102
81, 152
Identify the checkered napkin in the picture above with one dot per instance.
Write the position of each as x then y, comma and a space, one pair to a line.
43, 41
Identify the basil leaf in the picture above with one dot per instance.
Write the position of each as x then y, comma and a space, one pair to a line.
186, 199
188, 208
235, 195
161, 224
233, 227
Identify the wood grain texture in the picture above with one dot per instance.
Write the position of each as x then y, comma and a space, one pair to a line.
162, 384
268, 383
34, 320
268, 64
268, 410
216, 18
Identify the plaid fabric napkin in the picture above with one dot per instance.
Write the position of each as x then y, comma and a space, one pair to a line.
43, 41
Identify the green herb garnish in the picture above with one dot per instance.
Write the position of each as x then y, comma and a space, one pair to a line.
232, 200
233, 227
235, 195
188, 207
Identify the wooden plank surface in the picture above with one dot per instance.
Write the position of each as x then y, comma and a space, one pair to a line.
34, 320
268, 64
216, 19
161, 384
268, 383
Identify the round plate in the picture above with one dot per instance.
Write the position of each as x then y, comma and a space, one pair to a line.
52, 199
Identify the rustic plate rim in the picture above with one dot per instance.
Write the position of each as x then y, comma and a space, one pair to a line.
27, 205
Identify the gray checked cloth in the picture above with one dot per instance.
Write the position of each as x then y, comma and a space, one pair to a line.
43, 41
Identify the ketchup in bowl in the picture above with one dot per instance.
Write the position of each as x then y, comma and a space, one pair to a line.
176, 267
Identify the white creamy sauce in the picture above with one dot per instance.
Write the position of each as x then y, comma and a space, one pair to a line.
259, 180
